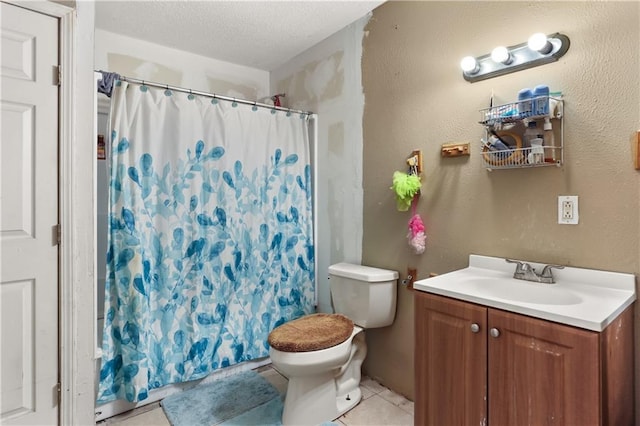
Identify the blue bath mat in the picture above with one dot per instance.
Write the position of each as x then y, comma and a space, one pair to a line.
269, 413
242, 399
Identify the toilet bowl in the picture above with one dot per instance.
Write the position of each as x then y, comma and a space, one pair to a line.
322, 354
312, 395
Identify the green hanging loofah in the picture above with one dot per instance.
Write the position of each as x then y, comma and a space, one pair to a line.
406, 187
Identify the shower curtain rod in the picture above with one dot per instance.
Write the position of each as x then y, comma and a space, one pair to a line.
211, 95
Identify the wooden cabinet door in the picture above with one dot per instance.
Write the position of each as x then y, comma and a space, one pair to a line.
450, 362
541, 373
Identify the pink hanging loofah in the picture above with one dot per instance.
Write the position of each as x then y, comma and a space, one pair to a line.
416, 236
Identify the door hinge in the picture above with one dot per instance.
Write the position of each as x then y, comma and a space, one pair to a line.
57, 394
58, 238
58, 75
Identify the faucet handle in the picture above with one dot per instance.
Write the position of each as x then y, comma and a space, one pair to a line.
517, 262
546, 271
520, 266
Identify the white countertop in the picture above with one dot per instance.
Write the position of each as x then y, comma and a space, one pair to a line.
585, 298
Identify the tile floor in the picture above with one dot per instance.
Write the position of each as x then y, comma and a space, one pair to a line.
379, 406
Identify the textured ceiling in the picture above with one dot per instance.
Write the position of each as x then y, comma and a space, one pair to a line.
258, 34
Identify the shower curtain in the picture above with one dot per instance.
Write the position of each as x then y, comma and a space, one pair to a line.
210, 236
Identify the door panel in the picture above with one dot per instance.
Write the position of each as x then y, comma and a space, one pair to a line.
542, 373
18, 54
28, 218
17, 189
450, 362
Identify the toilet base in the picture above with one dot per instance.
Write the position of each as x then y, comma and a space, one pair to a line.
313, 400
345, 403
316, 402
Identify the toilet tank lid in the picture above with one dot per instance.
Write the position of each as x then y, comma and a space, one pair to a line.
362, 273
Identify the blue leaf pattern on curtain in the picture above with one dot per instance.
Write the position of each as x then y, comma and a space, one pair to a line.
210, 237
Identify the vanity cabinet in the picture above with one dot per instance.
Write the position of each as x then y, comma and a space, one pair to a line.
477, 365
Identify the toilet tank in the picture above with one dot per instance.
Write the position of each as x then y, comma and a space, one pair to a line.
365, 294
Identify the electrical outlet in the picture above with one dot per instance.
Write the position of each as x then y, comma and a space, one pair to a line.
568, 209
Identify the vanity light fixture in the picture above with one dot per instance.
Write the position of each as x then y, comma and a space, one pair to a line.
540, 42
538, 50
469, 65
501, 54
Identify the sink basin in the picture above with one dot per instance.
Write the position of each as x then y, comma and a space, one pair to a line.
523, 291
587, 298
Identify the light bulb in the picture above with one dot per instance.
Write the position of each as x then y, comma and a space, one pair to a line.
539, 42
469, 65
501, 54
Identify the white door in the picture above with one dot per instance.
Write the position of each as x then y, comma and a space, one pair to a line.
28, 218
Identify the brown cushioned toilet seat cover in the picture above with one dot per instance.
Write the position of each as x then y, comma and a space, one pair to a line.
311, 333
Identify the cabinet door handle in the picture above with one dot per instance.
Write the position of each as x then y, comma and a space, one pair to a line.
494, 332
475, 328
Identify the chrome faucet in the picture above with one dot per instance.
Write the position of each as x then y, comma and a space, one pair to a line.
525, 271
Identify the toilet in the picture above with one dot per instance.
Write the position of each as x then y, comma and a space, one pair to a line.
322, 354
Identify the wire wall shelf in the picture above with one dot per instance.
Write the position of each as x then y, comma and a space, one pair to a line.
515, 112
508, 123
518, 158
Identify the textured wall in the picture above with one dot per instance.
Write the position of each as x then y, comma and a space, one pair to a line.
416, 98
149, 61
326, 79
